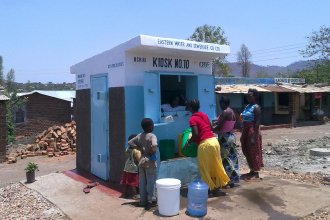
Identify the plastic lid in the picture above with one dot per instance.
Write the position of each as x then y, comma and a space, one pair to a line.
168, 183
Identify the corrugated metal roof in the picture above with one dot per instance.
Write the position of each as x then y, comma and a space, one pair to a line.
240, 89
66, 95
3, 98
307, 89
275, 88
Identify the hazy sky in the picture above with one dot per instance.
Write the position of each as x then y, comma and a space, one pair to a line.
40, 40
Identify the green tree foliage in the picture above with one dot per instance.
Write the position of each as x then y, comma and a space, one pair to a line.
1, 71
319, 44
318, 74
11, 81
14, 101
262, 74
244, 60
28, 86
216, 35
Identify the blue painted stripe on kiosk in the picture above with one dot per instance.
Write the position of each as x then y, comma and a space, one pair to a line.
241, 81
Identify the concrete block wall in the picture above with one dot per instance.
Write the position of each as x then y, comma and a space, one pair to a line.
292, 103
43, 112
2, 131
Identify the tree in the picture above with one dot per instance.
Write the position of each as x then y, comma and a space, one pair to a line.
11, 81
14, 101
28, 86
244, 60
215, 35
319, 44
281, 75
1, 70
262, 74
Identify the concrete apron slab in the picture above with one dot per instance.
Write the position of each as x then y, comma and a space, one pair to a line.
271, 198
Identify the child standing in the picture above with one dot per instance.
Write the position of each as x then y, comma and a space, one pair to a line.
147, 143
130, 175
239, 119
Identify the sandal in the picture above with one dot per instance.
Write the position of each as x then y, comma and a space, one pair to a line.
136, 197
87, 190
154, 204
252, 179
245, 175
92, 184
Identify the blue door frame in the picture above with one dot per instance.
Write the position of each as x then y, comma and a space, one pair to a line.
100, 159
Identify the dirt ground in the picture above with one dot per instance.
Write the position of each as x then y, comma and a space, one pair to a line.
287, 149
15, 172
285, 152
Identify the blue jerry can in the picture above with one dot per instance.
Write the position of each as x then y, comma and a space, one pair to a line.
197, 197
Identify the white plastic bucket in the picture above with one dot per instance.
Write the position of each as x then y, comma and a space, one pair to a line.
168, 193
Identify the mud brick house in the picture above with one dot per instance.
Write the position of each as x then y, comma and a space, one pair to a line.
44, 109
3, 100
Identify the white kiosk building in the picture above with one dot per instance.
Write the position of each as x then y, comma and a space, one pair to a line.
116, 89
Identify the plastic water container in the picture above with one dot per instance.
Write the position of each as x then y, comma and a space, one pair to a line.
197, 197
191, 150
179, 145
168, 195
167, 149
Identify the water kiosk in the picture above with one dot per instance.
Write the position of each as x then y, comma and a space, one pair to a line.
116, 89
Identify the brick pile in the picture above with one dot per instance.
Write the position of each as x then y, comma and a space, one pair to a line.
55, 141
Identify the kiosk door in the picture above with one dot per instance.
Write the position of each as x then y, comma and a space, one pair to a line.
152, 96
100, 165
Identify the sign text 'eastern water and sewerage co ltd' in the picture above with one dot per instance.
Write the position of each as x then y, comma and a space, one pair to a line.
185, 44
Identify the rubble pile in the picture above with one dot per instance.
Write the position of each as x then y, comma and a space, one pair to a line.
55, 141
20, 202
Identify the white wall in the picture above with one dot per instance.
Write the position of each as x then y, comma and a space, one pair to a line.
134, 70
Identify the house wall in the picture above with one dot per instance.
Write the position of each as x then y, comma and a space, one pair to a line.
83, 121
301, 105
42, 112
236, 101
268, 108
2, 131
326, 103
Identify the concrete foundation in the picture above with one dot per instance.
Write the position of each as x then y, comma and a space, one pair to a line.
320, 151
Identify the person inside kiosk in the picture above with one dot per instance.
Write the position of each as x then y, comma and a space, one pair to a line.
174, 104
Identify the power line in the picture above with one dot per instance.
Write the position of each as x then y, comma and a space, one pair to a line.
42, 70
271, 55
42, 73
275, 59
269, 52
278, 47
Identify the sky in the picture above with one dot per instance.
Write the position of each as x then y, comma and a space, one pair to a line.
40, 40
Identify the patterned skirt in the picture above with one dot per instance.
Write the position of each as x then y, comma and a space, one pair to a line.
229, 157
253, 153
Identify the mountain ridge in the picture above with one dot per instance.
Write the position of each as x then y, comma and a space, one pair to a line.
271, 70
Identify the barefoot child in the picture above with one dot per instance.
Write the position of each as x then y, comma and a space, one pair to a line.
130, 175
147, 143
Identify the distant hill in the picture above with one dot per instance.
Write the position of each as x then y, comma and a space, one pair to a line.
272, 70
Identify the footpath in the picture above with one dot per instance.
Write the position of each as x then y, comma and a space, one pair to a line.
272, 198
